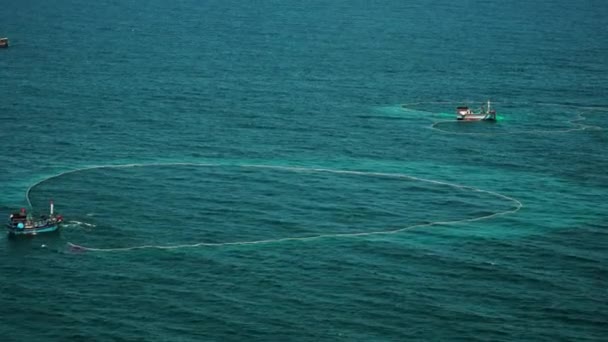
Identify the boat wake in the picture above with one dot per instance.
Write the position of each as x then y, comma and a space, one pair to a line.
77, 224
517, 205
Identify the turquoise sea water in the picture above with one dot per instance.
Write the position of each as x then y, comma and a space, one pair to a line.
291, 171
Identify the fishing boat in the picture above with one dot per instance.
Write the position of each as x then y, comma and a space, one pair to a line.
3, 42
464, 113
23, 223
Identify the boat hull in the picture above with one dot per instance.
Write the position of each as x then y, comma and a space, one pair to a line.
475, 118
14, 231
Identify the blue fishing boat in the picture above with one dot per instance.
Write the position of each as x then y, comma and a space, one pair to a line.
22, 223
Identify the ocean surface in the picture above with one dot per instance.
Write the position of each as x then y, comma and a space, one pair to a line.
293, 171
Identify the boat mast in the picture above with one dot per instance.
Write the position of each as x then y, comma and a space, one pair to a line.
52, 207
488, 109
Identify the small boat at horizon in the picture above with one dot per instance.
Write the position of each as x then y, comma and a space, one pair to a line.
23, 223
3, 42
464, 113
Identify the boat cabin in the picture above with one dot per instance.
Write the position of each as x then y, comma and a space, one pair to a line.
18, 217
3, 42
463, 110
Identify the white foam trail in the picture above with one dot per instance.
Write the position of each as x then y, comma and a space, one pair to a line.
119, 166
83, 224
517, 206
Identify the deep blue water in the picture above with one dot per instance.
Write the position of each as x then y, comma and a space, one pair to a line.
292, 171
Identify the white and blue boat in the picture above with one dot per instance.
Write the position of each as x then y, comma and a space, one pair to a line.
465, 113
22, 223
